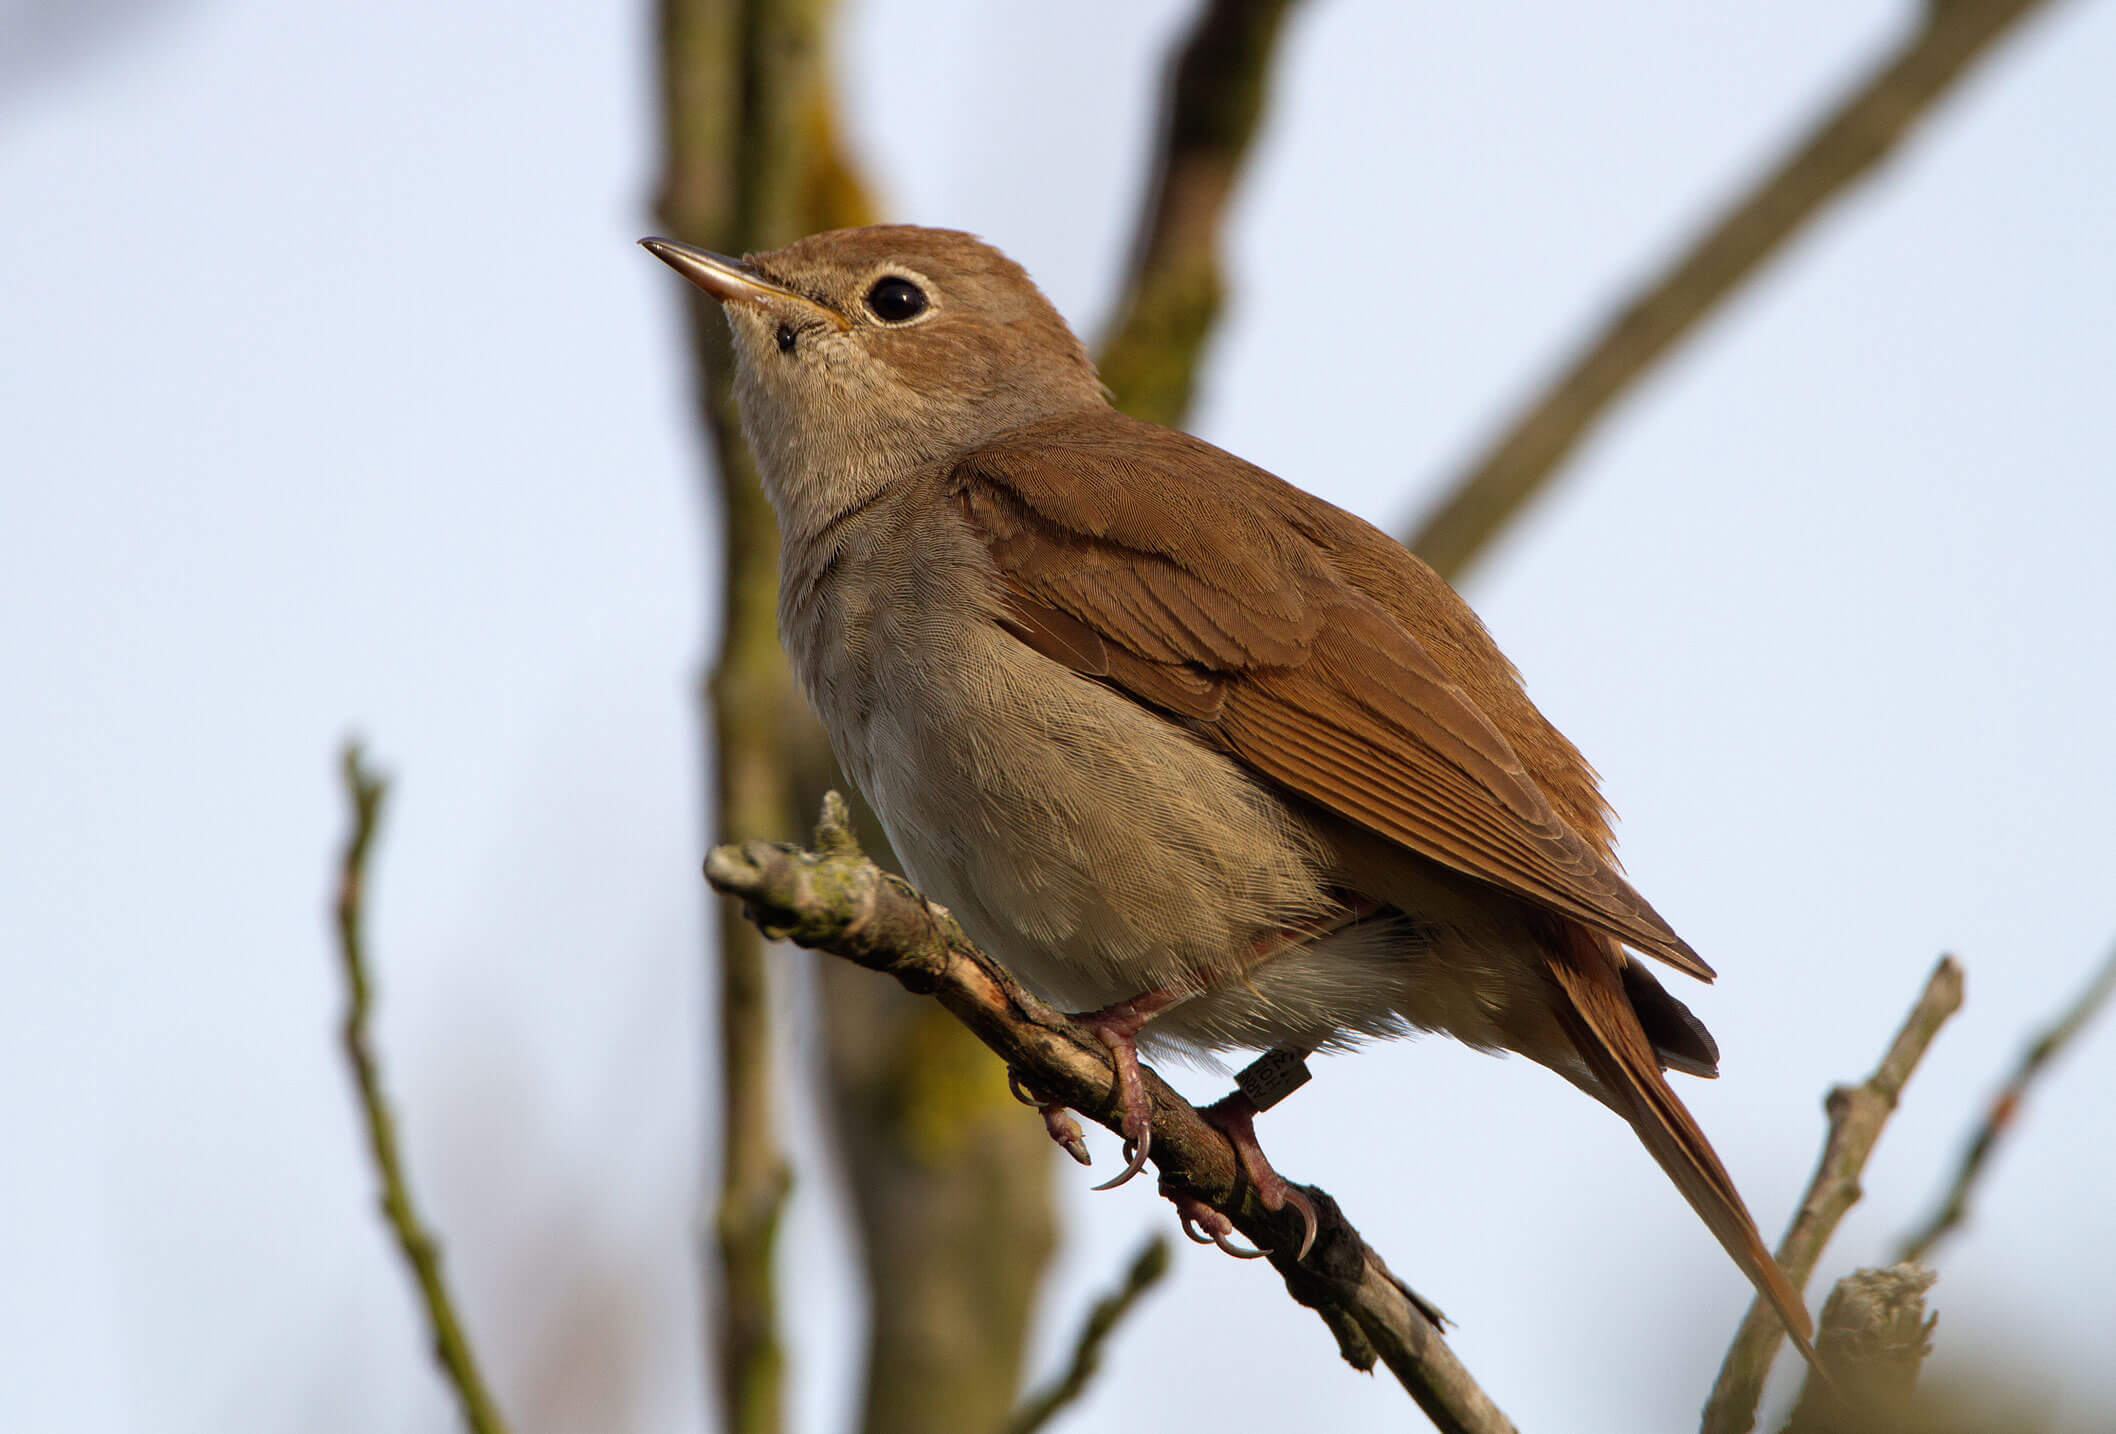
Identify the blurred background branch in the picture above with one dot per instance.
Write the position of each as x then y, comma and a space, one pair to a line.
1148, 1268
750, 162
1857, 1115
364, 793
1212, 105
1860, 131
2005, 1108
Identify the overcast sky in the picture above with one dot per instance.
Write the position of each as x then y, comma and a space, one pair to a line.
335, 397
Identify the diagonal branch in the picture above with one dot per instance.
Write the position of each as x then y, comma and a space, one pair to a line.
1856, 1116
2006, 1106
1211, 110
422, 1253
835, 900
1864, 128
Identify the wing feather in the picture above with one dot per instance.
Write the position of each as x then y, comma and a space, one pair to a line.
1206, 594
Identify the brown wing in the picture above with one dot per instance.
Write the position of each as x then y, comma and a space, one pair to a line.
1181, 575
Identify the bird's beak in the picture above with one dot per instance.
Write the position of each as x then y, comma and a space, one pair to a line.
728, 280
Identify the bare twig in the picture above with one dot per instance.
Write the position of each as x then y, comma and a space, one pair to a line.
1856, 1116
1211, 109
833, 899
451, 1345
2005, 1109
1873, 1338
1864, 128
1148, 1268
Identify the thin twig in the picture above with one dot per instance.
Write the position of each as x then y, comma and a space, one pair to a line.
451, 1345
1864, 128
1856, 1116
1211, 109
1148, 1268
833, 899
2005, 1109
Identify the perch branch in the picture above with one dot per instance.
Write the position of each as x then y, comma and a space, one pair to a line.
1856, 1116
451, 1345
833, 899
1873, 1338
1864, 128
1211, 109
2005, 1108
1148, 1268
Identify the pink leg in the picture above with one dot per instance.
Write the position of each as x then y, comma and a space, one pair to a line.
1118, 1027
1235, 1116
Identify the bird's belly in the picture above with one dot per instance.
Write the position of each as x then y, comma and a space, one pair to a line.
1101, 852
1094, 848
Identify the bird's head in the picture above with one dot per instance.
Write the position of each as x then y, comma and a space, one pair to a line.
863, 353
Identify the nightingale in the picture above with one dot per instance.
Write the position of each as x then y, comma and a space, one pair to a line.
1192, 752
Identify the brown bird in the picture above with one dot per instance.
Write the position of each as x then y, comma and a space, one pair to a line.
1191, 751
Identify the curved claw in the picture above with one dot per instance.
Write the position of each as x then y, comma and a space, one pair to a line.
1204, 1225
1135, 1159
1308, 1217
1021, 1092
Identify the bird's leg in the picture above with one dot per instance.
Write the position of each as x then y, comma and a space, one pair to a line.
1118, 1027
1262, 1084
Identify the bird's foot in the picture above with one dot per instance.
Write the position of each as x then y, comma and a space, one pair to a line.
1207, 1226
1057, 1119
1118, 1027
1235, 1117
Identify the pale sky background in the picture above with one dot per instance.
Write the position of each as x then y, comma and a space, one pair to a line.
334, 396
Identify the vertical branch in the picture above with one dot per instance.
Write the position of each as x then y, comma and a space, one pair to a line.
1864, 128
1212, 109
951, 1186
743, 98
422, 1252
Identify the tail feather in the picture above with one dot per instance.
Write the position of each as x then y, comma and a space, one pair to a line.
1598, 1018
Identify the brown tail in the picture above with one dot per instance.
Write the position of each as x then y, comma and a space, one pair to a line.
1599, 1019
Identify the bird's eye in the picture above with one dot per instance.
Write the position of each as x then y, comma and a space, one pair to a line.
896, 300
785, 337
